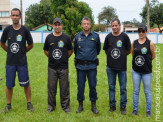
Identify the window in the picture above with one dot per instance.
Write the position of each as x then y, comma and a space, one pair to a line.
4, 13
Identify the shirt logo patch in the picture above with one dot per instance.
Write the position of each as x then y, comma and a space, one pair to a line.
60, 44
139, 60
119, 43
51, 43
57, 54
19, 38
92, 39
115, 53
14, 47
144, 50
79, 39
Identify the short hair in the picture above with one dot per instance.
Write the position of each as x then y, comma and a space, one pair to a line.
16, 9
86, 18
116, 19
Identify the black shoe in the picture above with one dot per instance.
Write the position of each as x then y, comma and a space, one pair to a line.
112, 109
148, 114
8, 107
30, 107
67, 110
123, 110
50, 109
94, 109
80, 108
135, 112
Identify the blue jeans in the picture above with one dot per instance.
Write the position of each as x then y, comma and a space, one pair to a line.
81, 79
146, 79
111, 73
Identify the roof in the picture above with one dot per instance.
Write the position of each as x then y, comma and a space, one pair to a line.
42, 27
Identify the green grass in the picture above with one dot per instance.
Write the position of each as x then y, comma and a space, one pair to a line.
37, 63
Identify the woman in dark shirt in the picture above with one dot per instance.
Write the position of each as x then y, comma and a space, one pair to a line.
143, 52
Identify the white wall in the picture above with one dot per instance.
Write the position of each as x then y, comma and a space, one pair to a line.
39, 36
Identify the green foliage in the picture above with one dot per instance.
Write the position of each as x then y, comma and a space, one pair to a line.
37, 65
71, 12
132, 22
38, 14
99, 27
108, 13
156, 14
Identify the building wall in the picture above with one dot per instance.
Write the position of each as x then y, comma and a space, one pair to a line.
4, 13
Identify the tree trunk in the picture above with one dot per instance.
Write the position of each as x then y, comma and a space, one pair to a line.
148, 15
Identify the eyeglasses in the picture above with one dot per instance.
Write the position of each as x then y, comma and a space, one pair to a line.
141, 31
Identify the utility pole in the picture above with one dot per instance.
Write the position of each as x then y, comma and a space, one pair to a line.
148, 15
21, 12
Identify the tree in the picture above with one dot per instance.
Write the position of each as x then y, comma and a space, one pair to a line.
38, 14
71, 12
132, 22
148, 14
99, 27
156, 14
107, 14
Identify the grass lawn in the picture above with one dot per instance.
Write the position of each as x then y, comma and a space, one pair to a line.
37, 64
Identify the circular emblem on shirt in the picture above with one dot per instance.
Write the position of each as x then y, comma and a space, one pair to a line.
139, 60
57, 54
144, 50
115, 53
14, 47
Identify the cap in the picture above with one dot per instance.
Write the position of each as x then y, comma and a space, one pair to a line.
143, 26
57, 20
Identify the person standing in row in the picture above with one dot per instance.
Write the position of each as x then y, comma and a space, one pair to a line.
58, 48
86, 48
117, 46
16, 37
143, 52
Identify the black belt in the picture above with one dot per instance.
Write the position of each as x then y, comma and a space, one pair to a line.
81, 62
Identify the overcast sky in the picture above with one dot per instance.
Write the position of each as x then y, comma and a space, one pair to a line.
126, 9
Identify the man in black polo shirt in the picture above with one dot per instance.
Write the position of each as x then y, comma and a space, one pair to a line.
117, 46
16, 37
58, 48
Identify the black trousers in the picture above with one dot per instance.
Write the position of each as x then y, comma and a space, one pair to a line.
53, 77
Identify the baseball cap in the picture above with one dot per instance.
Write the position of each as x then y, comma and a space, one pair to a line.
57, 20
142, 26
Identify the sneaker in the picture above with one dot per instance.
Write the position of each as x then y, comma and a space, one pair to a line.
50, 109
123, 110
112, 108
148, 114
135, 112
8, 107
30, 107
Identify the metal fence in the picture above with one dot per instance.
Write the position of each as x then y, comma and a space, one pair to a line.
39, 36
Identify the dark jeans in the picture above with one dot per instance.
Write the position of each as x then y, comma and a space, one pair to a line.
81, 79
53, 77
112, 83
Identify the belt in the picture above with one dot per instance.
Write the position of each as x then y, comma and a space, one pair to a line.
81, 62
